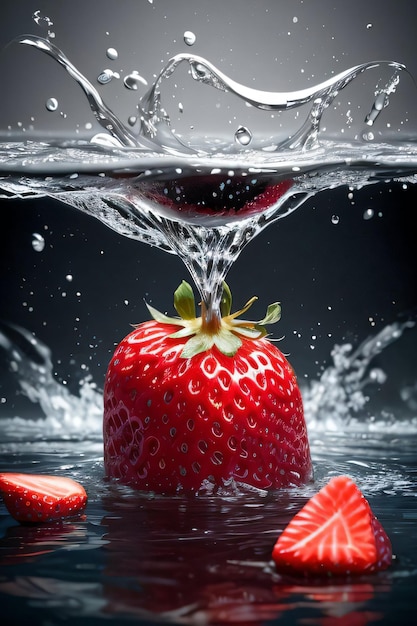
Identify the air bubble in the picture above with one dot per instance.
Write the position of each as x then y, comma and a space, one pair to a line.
38, 242
243, 136
189, 38
51, 104
133, 80
112, 53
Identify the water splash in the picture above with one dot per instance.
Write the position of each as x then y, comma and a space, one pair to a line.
147, 185
104, 115
155, 129
339, 400
336, 402
66, 415
156, 123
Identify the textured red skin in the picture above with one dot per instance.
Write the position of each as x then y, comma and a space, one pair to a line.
170, 423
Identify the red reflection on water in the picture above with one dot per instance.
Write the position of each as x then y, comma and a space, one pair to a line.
22, 543
209, 561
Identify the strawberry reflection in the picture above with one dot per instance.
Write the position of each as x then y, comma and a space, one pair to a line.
180, 559
340, 603
207, 560
22, 543
37, 572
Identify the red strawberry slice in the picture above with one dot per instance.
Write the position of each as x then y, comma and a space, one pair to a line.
37, 498
335, 532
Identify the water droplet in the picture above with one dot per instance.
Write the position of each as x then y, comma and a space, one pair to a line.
132, 120
335, 219
38, 18
295, 19
180, 107
368, 136
44, 22
377, 375
51, 104
105, 77
368, 214
133, 80
243, 136
369, 26
38, 242
189, 38
68, 277
112, 53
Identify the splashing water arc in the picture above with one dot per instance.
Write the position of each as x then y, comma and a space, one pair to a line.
202, 200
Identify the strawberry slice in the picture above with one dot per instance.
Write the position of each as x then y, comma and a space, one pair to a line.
335, 532
38, 498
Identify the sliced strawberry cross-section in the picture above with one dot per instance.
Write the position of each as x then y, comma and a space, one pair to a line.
335, 532
33, 498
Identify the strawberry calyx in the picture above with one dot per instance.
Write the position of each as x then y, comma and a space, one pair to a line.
203, 332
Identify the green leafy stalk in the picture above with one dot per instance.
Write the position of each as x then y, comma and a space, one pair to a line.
227, 337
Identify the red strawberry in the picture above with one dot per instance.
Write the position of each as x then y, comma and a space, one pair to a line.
216, 195
206, 402
335, 532
38, 498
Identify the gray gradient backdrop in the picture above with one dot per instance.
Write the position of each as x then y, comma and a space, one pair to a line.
337, 283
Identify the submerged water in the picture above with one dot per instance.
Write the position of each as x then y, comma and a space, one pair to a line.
207, 559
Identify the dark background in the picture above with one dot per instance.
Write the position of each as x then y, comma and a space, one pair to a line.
337, 282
